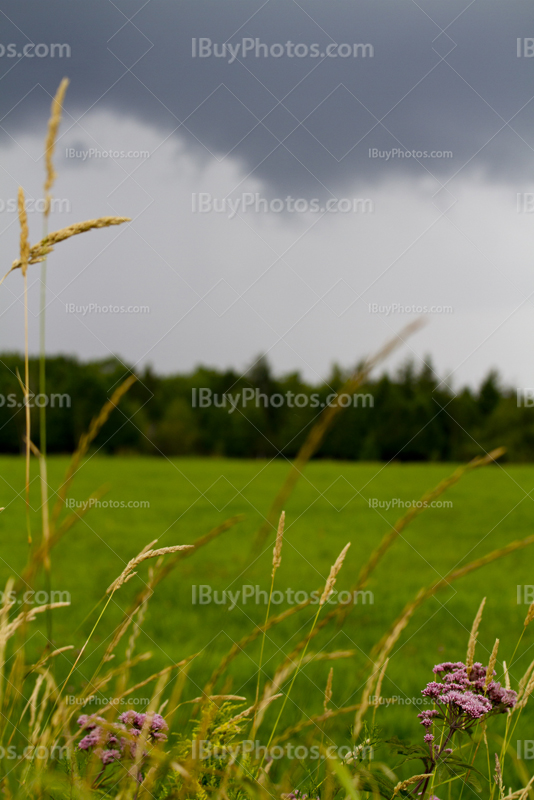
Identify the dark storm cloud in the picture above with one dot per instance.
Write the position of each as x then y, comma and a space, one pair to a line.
444, 76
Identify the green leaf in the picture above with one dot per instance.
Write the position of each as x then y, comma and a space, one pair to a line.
473, 780
459, 762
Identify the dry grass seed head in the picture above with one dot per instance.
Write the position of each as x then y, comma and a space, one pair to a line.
328, 690
334, 570
24, 233
530, 615
277, 552
144, 555
491, 665
50, 142
524, 680
414, 779
528, 691
473, 638
38, 252
506, 676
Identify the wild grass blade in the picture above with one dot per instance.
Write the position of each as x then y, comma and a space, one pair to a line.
50, 143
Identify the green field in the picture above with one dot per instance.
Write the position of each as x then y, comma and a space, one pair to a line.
490, 508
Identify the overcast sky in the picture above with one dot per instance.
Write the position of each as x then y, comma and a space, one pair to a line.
299, 279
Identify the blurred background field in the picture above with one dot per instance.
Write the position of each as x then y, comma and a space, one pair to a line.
331, 506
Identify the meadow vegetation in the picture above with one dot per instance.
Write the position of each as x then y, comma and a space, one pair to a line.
306, 712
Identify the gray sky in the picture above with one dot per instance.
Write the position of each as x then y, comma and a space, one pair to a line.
435, 232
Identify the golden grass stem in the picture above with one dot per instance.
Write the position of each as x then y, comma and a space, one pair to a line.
378, 691
50, 143
277, 560
24, 256
328, 689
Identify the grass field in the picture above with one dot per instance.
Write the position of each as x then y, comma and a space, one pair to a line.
330, 507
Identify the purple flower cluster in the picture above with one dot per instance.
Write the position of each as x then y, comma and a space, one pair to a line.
112, 743
464, 697
426, 717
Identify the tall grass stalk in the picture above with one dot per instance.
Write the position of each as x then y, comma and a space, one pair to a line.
24, 256
277, 558
50, 143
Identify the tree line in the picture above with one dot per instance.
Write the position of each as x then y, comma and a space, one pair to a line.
407, 416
